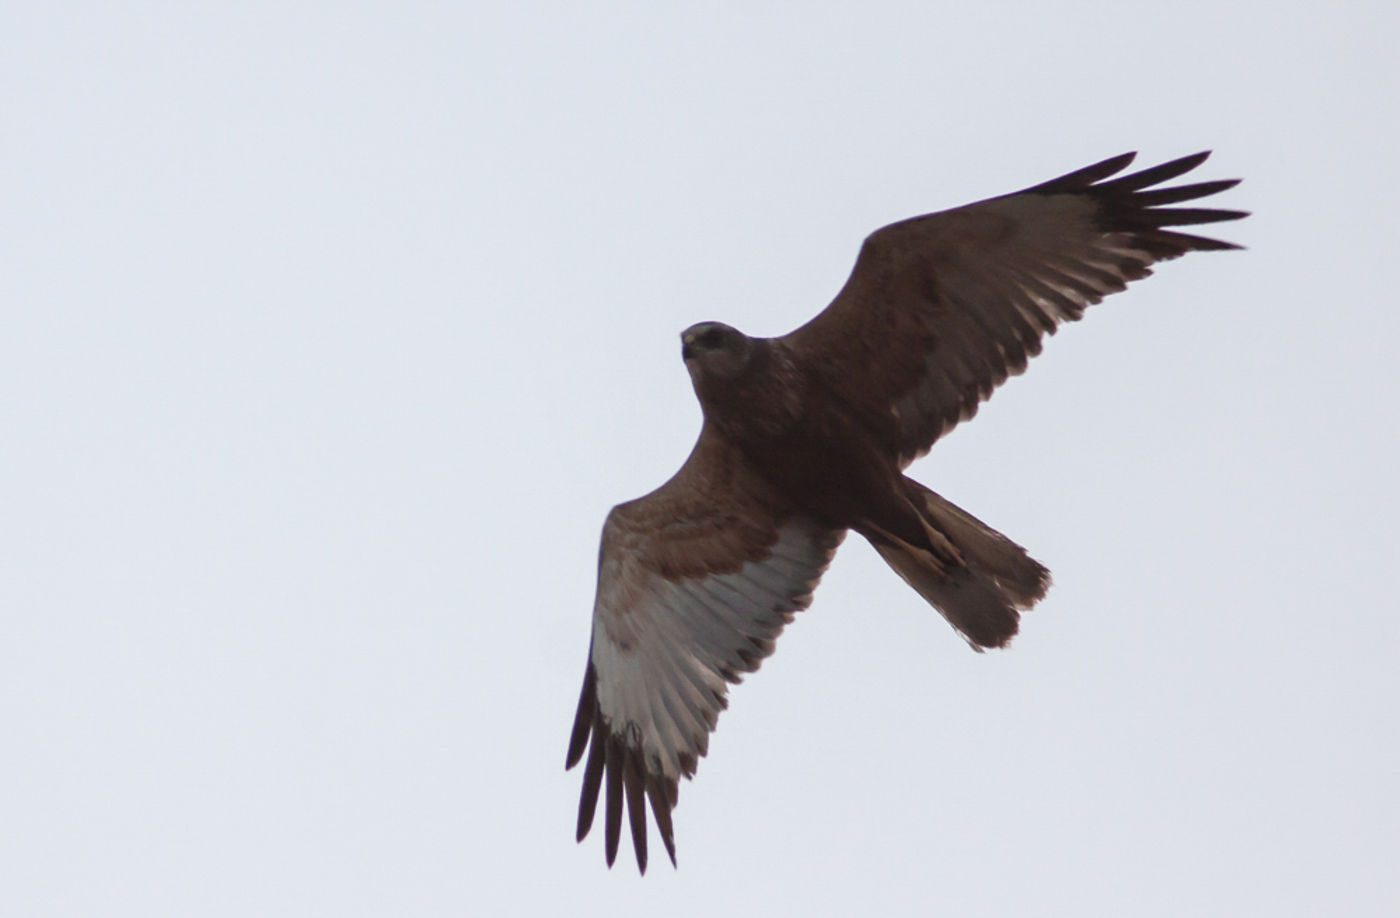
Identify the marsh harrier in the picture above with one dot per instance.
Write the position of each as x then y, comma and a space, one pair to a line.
806, 436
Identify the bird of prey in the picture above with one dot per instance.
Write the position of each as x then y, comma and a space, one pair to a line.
806, 436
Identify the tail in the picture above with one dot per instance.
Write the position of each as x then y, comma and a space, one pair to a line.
981, 586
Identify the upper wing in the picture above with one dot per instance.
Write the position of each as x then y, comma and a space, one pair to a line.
941, 309
695, 581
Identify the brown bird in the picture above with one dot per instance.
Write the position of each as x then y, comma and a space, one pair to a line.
806, 436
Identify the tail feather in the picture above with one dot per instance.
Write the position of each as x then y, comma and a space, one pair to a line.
1023, 579
983, 595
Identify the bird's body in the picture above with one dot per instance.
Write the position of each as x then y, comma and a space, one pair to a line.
807, 436
798, 435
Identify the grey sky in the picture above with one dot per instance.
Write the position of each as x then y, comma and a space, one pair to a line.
331, 332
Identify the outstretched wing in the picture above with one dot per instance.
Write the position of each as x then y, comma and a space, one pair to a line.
941, 309
695, 581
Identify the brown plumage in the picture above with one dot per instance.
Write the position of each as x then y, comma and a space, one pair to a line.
806, 436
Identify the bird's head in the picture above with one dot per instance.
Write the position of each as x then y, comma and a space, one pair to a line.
715, 351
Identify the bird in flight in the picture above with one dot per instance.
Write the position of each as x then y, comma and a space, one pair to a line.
807, 436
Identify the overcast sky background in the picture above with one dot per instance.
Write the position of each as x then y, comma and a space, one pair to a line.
330, 332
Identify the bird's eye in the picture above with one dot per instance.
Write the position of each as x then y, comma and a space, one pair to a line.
712, 338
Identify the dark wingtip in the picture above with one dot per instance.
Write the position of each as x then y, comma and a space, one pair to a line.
1107, 167
636, 807
583, 720
1134, 204
1178, 193
592, 780
1080, 179
1185, 164
661, 803
1155, 175
1194, 160
612, 825
1187, 242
